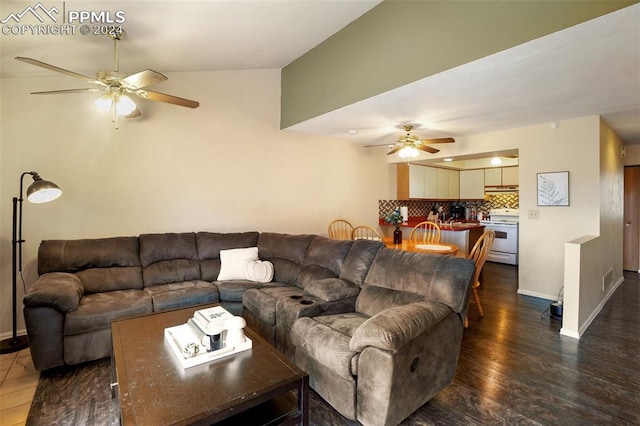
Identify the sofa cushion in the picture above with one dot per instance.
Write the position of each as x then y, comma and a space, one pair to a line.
372, 299
393, 328
182, 294
359, 259
286, 252
445, 279
209, 245
346, 323
169, 258
325, 345
324, 259
232, 291
76, 255
96, 311
331, 289
96, 280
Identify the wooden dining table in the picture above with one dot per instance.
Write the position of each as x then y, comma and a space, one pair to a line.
417, 246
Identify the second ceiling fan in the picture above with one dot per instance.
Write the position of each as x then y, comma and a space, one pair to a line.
409, 145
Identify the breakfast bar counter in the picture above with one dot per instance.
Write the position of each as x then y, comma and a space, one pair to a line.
459, 233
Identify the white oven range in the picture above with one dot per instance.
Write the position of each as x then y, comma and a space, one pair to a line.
505, 245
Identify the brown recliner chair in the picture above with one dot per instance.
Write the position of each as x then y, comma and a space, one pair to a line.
399, 347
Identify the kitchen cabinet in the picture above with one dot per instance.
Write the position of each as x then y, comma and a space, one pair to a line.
501, 176
464, 240
448, 184
472, 184
420, 182
493, 177
416, 181
510, 176
430, 182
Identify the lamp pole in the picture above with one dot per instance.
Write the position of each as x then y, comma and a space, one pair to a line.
40, 191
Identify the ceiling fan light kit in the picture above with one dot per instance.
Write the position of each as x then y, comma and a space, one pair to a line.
408, 151
118, 86
122, 103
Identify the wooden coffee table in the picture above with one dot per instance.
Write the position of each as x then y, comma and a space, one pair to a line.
257, 386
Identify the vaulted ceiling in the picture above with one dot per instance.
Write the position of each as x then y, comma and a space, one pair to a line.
589, 69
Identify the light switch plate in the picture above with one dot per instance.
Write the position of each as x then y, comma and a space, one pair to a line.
534, 214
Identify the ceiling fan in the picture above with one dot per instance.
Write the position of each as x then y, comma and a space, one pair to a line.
409, 145
116, 87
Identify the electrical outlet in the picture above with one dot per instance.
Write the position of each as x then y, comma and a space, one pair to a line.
534, 214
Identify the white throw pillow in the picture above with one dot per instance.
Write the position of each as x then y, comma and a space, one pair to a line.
233, 263
260, 271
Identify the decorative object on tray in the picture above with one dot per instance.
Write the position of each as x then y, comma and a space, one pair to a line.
211, 334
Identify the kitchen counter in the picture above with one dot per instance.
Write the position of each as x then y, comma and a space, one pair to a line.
462, 233
459, 225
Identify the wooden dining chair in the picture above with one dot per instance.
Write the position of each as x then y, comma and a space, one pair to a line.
340, 229
364, 232
425, 233
479, 254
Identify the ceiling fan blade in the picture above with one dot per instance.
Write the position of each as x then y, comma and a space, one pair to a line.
380, 144
439, 140
395, 149
161, 97
142, 79
427, 148
60, 70
67, 91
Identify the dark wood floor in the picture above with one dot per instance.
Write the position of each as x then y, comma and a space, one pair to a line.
516, 368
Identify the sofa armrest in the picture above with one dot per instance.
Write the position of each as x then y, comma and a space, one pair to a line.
331, 289
59, 290
393, 328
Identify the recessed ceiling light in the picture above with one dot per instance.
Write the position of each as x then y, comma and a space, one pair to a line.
352, 132
448, 159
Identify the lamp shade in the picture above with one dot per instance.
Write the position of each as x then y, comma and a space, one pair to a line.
124, 105
42, 191
103, 103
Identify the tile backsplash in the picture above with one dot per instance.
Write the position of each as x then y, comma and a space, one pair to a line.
423, 207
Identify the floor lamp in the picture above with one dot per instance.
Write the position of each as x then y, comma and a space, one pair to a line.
40, 191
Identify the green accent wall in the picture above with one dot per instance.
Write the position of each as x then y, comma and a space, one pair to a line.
400, 41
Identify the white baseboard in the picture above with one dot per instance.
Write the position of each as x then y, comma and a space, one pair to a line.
594, 313
551, 297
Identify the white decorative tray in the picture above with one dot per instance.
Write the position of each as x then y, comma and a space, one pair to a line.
191, 333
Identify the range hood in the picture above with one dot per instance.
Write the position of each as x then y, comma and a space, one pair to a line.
496, 189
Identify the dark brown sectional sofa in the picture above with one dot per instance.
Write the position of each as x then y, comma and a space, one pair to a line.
362, 319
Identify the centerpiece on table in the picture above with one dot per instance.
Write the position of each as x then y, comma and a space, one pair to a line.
395, 218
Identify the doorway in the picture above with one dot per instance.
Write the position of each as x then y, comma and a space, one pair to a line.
631, 237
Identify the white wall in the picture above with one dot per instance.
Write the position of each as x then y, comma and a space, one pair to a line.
573, 146
611, 213
593, 265
225, 166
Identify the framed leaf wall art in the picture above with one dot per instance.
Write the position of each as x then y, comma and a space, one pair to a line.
553, 189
